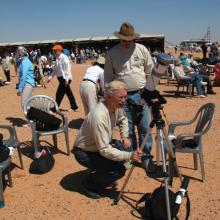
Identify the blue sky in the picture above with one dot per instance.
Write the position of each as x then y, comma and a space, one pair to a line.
26, 20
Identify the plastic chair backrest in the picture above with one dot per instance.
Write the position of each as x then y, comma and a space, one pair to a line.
42, 102
204, 118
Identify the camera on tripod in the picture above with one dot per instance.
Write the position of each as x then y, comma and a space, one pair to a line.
155, 100
149, 94
135, 108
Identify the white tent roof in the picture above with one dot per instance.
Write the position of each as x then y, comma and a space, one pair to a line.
82, 39
99, 38
16, 43
112, 38
79, 39
65, 40
3, 44
47, 41
151, 35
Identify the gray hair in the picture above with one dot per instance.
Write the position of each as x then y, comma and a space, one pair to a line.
22, 51
115, 85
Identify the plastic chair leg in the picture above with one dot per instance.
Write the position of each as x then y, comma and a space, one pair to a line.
195, 159
202, 166
67, 142
55, 140
20, 157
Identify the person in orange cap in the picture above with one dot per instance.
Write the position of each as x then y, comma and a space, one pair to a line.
63, 72
57, 48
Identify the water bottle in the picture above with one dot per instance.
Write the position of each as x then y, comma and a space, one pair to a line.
182, 190
180, 194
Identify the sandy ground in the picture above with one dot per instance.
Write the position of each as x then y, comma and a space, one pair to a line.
58, 195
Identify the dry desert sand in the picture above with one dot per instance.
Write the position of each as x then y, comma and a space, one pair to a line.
58, 195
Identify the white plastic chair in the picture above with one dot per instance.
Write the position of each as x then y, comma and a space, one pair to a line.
201, 123
12, 141
46, 103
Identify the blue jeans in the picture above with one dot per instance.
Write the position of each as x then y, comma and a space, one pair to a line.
106, 171
141, 120
195, 77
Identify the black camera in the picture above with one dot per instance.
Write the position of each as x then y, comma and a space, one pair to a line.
155, 100
136, 109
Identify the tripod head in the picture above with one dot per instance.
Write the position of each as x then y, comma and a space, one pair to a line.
155, 100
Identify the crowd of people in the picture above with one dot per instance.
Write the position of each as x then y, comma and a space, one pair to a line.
110, 89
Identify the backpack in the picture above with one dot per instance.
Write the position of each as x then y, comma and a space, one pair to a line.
155, 205
42, 165
4, 151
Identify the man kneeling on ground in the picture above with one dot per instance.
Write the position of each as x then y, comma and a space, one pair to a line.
93, 147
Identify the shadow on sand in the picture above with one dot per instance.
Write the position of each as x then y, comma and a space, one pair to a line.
76, 123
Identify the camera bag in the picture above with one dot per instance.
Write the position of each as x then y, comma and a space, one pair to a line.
4, 151
188, 143
44, 120
42, 165
155, 205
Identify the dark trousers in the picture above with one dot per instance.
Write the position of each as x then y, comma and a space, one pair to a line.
105, 171
7, 75
62, 90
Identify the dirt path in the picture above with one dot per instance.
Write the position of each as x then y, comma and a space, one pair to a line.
56, 195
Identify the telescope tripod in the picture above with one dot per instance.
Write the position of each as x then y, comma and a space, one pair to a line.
161, 132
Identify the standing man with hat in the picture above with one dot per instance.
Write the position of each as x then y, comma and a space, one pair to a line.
130, 63
93, 77
64, 76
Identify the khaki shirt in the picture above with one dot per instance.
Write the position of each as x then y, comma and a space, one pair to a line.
97, 129
129, 66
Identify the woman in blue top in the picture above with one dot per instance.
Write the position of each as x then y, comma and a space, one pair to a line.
26, 76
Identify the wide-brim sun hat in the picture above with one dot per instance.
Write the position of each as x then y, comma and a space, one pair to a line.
57, 47
127, 32
101, 60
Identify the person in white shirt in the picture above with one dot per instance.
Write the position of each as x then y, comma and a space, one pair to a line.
6, 61
64, 76
94, 148
93, 77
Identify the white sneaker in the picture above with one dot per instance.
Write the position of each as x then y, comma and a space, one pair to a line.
204, 83
11, 151
201, 96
